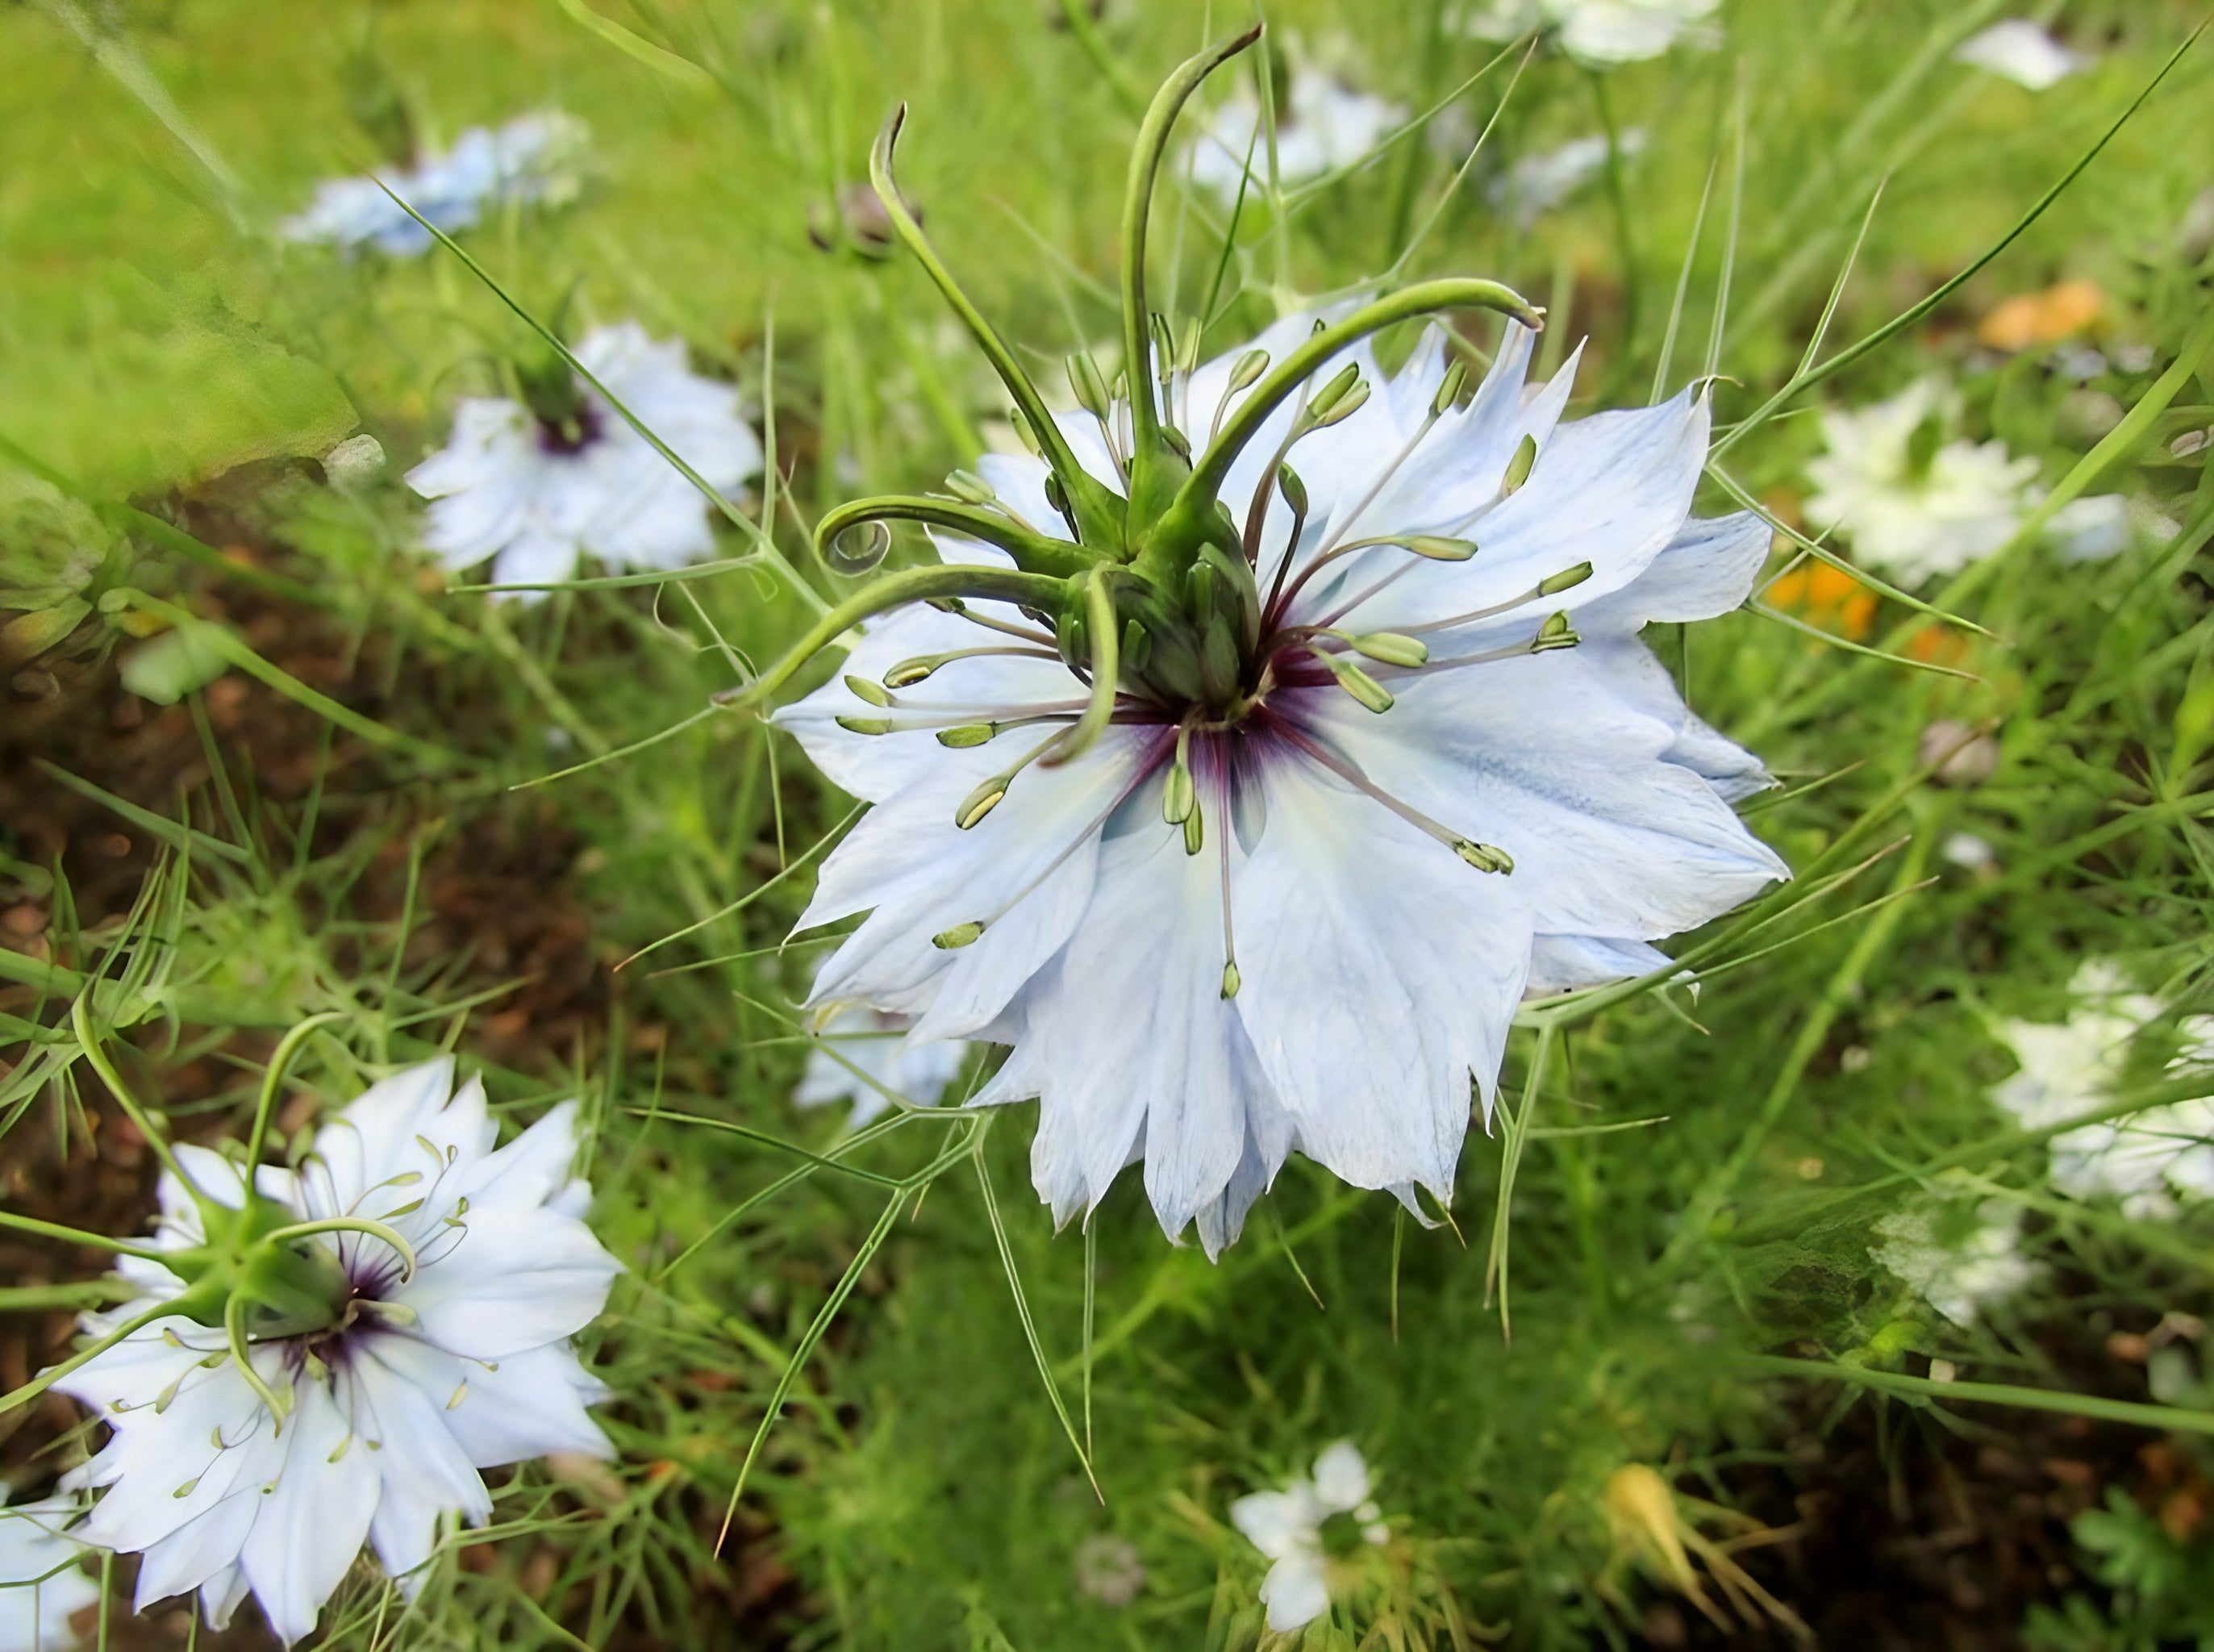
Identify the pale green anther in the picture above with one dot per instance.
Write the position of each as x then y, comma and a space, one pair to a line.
1358, 684
962, 935
1179, 797
1090, 388
1294, 489
864, 725
1194, 831
1519, 468
1345, 406
1024, 434
1483, 857
861, 689
908, 672
1324, 401
1164, 348
344, 1446
187, 1488
1231, 979
1449, 389
1187, 347
981, 801
1439, 548
1553, 633
969, 487
460, 1394
1391, 648
1246, 371
1567, 579
968, 735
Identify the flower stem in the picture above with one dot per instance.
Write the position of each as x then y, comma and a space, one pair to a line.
53, 1374
913, 585
1055, 559
80, 1023
56, 1231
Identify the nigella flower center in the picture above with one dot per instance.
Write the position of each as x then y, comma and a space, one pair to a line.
571, 430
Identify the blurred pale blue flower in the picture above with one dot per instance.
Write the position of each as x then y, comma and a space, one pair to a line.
875, 1043
2022, 52
530, 159
533, 498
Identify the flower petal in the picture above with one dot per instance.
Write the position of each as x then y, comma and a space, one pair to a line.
314, 1516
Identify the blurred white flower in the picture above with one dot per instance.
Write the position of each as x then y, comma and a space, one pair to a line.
1599, 34
2147, 1160
42, 1586
393, 1400
2068, 1067
2022, 51
1537, 183
1288, 1527
535, 489
1324, 124
531, 159
1296, 947
2102, 525
876, 1043
1110, 1569
1968, 852
1961, 1256
1910, 498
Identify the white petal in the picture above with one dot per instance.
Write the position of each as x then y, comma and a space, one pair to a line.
514, 1279
1372, 1000
1340, 1477
1277, 1523
422, 1470
312, 1522
1296, 1592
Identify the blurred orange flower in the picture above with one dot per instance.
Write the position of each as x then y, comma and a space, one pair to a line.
1827, 596
2035, 318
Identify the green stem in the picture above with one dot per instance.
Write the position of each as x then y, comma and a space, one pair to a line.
1105, 650
70, 1235
1035, 553
1197, 501
1137, 206
1618, 199
1128, 92
47, 1379
81, 1023
1098, 512
2163, 1418
272, 1081
915, 586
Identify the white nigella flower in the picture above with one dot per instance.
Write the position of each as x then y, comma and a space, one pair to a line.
531, 159
1536, 184
536, 483
2147, 1160
2069, 1068
1960, 1255
1293, 1528
1324, 125
1247, 812
42, 1586
397, 1375
2022, 51
1908, 498
1599, 34
875, 1043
